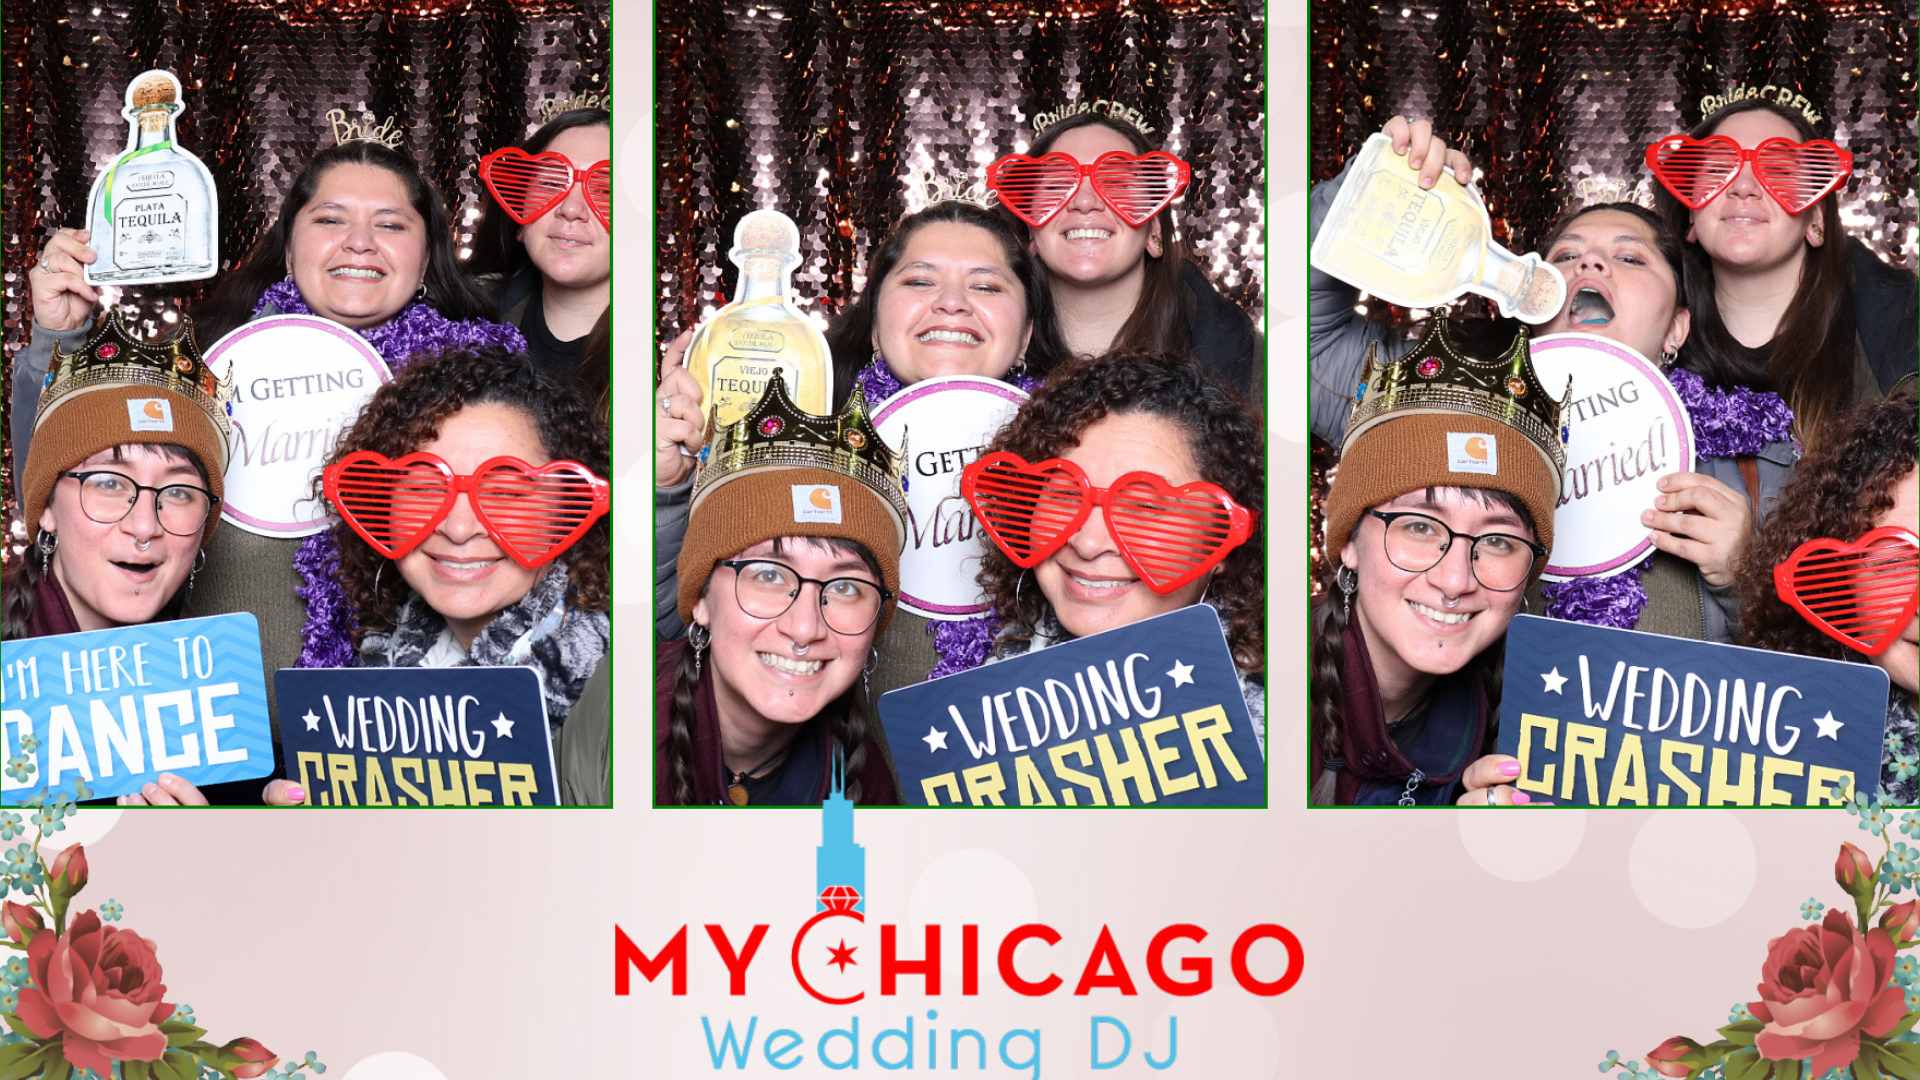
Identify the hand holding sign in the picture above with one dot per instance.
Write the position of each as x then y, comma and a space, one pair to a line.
1702, 521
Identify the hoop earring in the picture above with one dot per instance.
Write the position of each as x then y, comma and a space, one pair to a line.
699, 637
1017, 582
45, 544
376, 576
199, 564
420, 293
1348, 580
1669, 356
1019, 369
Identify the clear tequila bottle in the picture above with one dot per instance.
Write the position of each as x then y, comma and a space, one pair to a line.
737, 350
1423, 247
153, 213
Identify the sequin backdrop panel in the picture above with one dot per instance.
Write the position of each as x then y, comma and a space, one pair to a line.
1557, 102
259, 79
833, 112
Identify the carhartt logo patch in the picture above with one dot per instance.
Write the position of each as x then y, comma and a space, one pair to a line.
150, 414
816, 504
1472, 452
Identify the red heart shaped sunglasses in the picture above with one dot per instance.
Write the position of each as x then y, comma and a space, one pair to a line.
1861, 594
528, 186
1796, 175
1167, 535
534, 514
1134, 186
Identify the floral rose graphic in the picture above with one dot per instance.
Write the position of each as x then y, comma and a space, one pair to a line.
99, 989
87, 998
1821, 988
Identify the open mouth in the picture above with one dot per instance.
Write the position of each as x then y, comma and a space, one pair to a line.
1589, 308
949, 337
789, 665
356, 273
1444, 618
1086, 233
137, 569
463, 569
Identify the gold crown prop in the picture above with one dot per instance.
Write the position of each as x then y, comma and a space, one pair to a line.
369, 128
554, 106
776, 433
112, 357
1437, 377
1784, 96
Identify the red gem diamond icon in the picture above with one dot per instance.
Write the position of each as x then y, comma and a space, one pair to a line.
839, 898
109, 351
771, 426
1428, 368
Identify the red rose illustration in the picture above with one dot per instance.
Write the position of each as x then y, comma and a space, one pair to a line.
254, 1058
1669, 1058
100, 990
1821, 988
1902, 922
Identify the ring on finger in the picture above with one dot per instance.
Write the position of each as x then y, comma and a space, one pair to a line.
666, 405
43, 266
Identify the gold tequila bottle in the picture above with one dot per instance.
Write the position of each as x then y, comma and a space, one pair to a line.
154, 213
1423, 247
736, 352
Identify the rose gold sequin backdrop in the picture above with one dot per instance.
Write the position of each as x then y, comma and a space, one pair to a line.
1557, 101
826, 110
460, 79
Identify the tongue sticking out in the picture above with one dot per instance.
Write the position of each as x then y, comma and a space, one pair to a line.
1589, 308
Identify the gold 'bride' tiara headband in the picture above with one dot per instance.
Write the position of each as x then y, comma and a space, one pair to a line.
368, 128
1784, 96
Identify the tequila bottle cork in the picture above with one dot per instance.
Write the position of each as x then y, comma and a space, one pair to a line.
739, 348
1423, 247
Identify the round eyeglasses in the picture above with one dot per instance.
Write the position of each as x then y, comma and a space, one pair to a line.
766, 589
107, 497
1416, 543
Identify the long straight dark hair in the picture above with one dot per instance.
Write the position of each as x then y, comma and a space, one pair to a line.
448, 289
1159, 320
1810, 360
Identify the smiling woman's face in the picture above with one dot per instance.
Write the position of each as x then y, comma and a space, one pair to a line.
1744, 228
952, 305
1432, 622
358, 250
1086, 244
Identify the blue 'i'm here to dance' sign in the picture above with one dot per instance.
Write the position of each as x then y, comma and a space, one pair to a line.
387, 736
1149, 713
113, 709
1605, 717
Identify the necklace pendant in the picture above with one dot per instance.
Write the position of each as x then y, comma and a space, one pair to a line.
737, 793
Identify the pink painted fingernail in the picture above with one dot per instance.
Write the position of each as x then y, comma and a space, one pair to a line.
1521, 798
298, 793
1509, 768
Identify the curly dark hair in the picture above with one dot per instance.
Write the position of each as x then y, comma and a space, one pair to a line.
1222, 435
406, 414
1810, 359
449, 290
1837, 490
850, 336
851, 715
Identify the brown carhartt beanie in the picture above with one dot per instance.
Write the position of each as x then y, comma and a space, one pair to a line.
80, 423
761, 503
1411, 450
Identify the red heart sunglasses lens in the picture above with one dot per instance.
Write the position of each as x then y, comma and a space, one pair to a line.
1136, 187
1028, 511
1171, 536
526, 186
1798, 175
392, 505
535, 514
1034, 189
1694, 170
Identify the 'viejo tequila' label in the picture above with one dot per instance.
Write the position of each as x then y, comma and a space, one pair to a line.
153, 213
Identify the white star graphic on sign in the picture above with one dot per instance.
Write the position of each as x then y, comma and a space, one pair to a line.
1553, 680
312, 721
1829, 727
1182, 674
935, 739
502, 726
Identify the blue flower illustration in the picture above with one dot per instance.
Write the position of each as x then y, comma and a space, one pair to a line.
111, 911
1809, 910
1612, 1059
11, 826
15, 971
20, 769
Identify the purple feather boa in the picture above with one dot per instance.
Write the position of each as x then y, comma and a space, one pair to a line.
1726, 423
416, 331
963, 644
